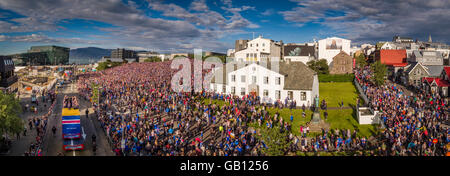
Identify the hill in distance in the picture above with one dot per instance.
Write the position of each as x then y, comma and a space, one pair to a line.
85, 54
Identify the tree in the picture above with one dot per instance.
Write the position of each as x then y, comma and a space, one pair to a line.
361, 60
223, 58
153, 59
380, 71
109, 64
319, 66
10, 108
277, 143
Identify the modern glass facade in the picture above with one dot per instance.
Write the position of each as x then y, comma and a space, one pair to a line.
47, 55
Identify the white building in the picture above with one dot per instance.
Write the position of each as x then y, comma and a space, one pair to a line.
145, 55
230, 52
353, 50
389, 46
368, 48
330, 47
293, 81
259, 48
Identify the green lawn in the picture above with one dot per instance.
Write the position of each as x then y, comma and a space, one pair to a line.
346, 119
335, 92
338, 119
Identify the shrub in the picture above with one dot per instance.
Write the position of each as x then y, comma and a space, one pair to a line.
336, 78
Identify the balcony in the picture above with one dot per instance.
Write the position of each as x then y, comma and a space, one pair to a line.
9, 81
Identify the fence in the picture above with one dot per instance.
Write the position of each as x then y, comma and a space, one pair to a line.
366, 102
361, 91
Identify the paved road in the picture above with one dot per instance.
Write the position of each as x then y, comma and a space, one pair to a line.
53, 144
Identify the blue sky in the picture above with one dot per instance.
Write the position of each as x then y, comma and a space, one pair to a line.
180, 26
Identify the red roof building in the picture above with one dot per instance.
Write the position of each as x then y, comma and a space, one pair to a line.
439, 85
396, 58
447, 71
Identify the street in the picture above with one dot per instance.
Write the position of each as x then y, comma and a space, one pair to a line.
53, 144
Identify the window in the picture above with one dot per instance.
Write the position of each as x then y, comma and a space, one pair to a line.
233, 90
243, 91
266, 93
250, 45
254, 79
233, 78
277, 80
303, 96
291, 95
243, 78
277, 94
256, 45
266, 80
254, 68
263, 45
247, 54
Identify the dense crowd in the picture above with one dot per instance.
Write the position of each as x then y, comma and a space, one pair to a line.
411, 121
139, 107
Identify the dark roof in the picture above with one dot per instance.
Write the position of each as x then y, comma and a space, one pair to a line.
410, 67
434, 70
289, 50
297, 76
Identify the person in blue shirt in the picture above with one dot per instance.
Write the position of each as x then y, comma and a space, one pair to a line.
292, 118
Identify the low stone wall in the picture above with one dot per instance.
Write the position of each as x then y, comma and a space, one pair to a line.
367, 116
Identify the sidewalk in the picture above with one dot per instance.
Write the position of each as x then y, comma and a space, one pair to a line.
19, 146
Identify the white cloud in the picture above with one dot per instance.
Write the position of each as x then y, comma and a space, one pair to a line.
199, 5
369, 21
268, 12
133, 27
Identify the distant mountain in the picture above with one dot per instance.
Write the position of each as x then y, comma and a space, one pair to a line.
89, 53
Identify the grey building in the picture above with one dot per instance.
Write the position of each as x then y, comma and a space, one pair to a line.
400, 39
240, 45
123, 54
415, 72
427, 57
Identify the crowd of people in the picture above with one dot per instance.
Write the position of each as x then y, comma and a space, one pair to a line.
412, 121
142, 115
39, 123
70, 102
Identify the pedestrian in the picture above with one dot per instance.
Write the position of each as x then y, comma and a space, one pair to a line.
54, 130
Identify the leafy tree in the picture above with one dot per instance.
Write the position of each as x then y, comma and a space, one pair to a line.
223, 58
361, 60
153, 59
10, 123
319, 66
108, 64
380, 71
277, 143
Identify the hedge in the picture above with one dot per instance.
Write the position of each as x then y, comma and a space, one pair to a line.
336, 78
